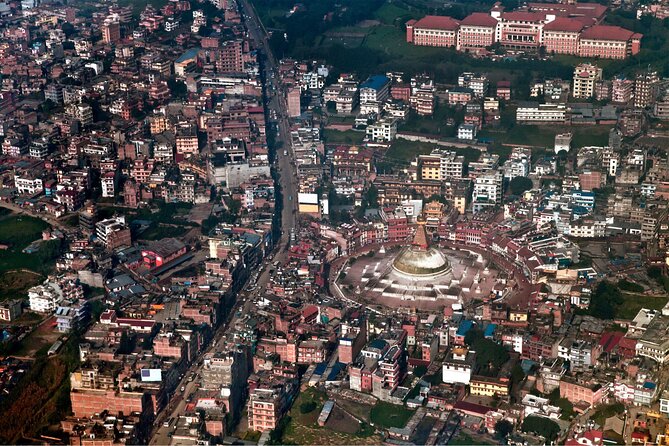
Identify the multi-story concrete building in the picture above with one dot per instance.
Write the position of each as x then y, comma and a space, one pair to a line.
487, 191
621, 90
45, 298
534, 112
561, 36
113, 232
645, 89
561, 31
433, 31
476, 31
585, 77
609, 42
440, 165
266, 406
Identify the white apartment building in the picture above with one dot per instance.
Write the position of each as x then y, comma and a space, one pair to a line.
467, 132
105, 227
375, 89
29, 186
108, 184
383, 130
476, 82
587, 228
540, 113
45, 298
585, 77
487, 191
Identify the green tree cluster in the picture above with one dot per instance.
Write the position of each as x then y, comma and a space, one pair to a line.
542, 426
605, 300
490, 356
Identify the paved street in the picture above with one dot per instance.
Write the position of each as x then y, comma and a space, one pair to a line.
288, 184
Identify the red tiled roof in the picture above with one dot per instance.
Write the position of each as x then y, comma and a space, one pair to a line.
605, 32
522, 16
437, 22
479, 19
589, 10
564, 24
472, 408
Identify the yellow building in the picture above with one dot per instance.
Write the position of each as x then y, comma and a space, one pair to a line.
485, 386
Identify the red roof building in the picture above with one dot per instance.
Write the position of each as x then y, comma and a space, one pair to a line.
609, 42
433, 30
477, 30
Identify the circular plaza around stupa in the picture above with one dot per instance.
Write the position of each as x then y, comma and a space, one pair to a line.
419, 276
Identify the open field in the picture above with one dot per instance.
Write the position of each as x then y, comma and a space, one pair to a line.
15, 284
635, 302
18, 231
390, 415
337, 137
39, 339
159, 231
544, 136
302, 427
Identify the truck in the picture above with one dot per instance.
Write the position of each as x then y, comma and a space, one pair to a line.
285, 153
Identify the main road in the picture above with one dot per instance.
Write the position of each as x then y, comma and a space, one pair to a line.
275, 103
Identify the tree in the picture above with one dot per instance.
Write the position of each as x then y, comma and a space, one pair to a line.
518, 185
541, 426
517, 374
177, 88
503, 428
605, 300
490, 355
50, 249
420, 370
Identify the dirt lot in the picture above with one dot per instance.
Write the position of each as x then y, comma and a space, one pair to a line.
15, 284
200, 212
43, 336
340, 421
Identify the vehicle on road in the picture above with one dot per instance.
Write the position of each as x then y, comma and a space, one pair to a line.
285, 152
183, 389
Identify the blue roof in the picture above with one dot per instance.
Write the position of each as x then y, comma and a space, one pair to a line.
464, 327
336, 369
320, 368
378, 343
490, 330
376, 82
649, 385
190, 54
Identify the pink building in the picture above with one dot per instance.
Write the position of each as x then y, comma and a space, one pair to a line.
609, 42
293, 100
561, 36
433, 30
521, 30
477, 30
582, 392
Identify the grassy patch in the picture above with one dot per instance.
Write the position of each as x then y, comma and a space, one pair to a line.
435, 124
632, 303
302, 427
402, 151
159, 231
331, 136
605, 412
19, 231
391, 13
15, 284
390, 415
544, 136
